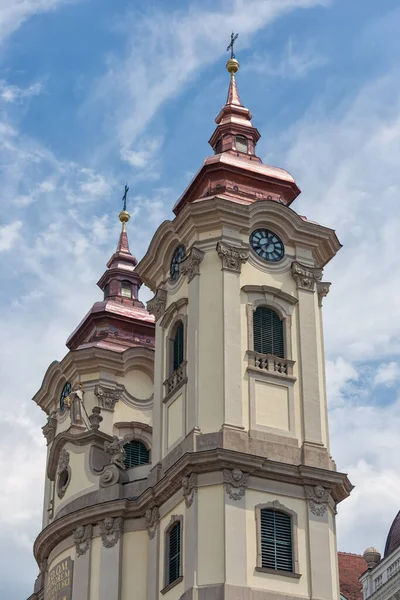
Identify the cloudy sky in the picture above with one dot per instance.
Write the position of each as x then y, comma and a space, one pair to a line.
95, 93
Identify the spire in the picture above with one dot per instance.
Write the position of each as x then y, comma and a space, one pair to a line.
234, 132
123, 244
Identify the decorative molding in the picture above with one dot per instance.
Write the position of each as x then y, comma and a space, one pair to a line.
152, 518
322, 290
95, 418
235, 483
49, 430
189, 489
107, 397
305, 277
156, 306
110, 531
176, 379
232, 256
82, 538
271, 364
110, 476
116, 450
63, 461
191, 265
318, 498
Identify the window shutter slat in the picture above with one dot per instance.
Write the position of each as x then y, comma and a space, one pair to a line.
276, 540
268, 332
136, 454
174, 542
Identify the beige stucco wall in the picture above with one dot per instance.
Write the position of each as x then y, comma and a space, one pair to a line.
276, 583
134, 565
137, 383
211, 535
81, 479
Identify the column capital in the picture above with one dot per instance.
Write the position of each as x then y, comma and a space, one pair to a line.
322, 290
305, 277
232, 256
191, 265
156, 306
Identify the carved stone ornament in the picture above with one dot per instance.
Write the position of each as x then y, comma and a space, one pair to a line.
49, 430
76, 399
117, 451
235, 483
232, 256
106, 397
82, 538
322, 290
152, 518
110, 475
189, 489
318, 498
63, 461
305, 277
156, 306
95, 418
110, 531
191, 265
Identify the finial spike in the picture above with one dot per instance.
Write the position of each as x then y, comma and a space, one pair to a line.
124, 216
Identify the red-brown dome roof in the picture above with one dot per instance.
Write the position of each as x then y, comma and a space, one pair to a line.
393, 538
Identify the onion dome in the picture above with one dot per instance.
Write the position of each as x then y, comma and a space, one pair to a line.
393, 538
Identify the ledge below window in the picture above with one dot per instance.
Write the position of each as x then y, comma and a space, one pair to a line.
171, 585
278, 572
271, 365
176, 380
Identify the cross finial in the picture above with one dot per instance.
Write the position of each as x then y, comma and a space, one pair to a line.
234, 37
124, 196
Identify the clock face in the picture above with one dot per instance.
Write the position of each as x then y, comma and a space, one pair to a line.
267, 245
178, 256
64, 394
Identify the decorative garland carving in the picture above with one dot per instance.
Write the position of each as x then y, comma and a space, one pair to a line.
82, 539
318, 498
305, 277
156, 306
152, 518
235, 483
322, 290
116, 450
49, 430
110, 531
63, 461
191, 265
232, 256
107, 397
189, 489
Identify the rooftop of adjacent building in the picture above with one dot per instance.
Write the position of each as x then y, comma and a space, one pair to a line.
351, 567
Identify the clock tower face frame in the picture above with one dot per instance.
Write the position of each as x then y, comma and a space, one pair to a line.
64, 394
178, 256
267, 245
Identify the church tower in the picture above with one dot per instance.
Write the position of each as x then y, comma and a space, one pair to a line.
209, 477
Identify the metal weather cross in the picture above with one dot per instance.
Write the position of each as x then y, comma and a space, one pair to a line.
124, 196
234, 37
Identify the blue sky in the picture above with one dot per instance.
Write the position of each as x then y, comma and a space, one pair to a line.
95, 93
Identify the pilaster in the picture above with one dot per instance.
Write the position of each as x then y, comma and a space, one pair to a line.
83, 544
192, 396
110, 558
235, 527
152, 518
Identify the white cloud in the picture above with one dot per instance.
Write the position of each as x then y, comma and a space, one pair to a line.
14, 93
14, 12
387, 374
9, 235
295, 62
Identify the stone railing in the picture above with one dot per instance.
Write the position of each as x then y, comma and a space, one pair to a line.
176, 378
268, 363
385, 590
393, 569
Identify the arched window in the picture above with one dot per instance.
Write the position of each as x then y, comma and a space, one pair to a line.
218, 147
106, 291
174, 553
177, 347
268, 332
242, 144
136, 454
126, 289
276, 540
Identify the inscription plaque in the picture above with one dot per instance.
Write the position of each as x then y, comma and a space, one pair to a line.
59, 582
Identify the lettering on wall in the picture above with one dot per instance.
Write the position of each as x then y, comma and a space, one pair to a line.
59, 583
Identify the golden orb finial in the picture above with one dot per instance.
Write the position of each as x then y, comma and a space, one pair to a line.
124, 216
232, 66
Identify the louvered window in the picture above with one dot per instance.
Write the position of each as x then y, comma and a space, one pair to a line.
268, 332
174, 553
276, 540
178, 347
136, 454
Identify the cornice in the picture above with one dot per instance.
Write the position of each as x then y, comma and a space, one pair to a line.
89, 360
267, 289
171, 481
217, 212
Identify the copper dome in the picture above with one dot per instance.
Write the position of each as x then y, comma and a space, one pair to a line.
393, 538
